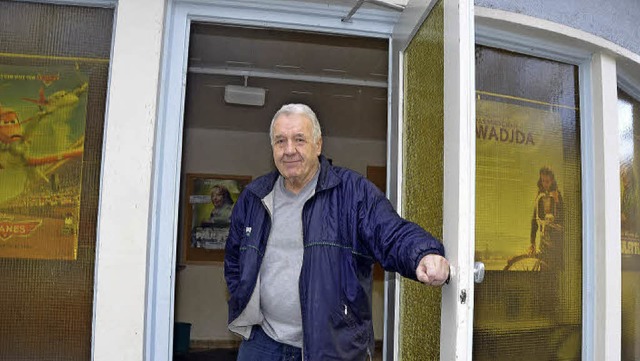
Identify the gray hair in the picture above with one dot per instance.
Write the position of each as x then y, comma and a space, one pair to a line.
301, 109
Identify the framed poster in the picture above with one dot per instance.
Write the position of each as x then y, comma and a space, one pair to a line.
208, 203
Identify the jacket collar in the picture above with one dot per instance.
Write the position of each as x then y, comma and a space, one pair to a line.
327, 179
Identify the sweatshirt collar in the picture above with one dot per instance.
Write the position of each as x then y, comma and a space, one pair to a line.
327, 179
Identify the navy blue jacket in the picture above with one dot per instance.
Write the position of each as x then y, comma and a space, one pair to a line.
348, 224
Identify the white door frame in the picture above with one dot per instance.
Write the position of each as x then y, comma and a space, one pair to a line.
456, 338
166, 178
459, 165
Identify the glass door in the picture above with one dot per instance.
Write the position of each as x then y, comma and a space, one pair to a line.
433, 114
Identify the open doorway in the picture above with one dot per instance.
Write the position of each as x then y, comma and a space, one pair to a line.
344, 79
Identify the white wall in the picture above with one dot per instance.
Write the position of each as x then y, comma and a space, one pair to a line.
125, 188
614, 20
201, 296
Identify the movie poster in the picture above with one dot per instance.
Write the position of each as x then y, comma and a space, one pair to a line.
209, 201
630, 213
520, 184
42, 127
212, 201
629, 171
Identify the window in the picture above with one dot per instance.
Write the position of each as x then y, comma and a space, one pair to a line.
629, 122
528, 208
54, 64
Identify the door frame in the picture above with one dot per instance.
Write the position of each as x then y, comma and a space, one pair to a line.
279, 14
459, 167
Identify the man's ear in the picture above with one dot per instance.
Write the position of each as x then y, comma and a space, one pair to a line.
319, 147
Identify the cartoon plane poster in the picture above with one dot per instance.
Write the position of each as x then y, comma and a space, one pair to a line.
42, 127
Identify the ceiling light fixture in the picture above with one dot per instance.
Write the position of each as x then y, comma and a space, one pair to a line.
245, 95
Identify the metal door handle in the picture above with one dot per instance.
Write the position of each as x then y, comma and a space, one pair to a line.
478, 272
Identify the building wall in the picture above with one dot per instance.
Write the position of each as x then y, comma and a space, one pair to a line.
201, 295
614, 20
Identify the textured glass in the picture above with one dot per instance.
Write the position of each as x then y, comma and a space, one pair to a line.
528, 209
46, 299
629, 122
423, 178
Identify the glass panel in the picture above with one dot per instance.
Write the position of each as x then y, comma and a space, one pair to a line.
423, 178
53, 79
528, 209
629, 122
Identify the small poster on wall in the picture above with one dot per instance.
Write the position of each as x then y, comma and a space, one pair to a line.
42, 128
208, 205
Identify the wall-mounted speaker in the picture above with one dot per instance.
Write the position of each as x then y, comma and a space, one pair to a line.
244, 95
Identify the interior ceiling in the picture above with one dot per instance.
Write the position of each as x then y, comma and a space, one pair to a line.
342, 78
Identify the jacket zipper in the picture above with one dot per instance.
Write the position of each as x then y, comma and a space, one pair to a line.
261, 258
304, 237
302, 308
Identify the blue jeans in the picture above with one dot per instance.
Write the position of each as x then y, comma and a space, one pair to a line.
260, 347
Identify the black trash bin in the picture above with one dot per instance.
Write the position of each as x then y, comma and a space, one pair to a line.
181, 337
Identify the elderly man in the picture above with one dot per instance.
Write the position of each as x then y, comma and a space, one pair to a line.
301, 249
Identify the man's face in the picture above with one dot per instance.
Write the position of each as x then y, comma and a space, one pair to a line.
294, 151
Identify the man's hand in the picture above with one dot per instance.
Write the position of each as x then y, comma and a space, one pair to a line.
433, 270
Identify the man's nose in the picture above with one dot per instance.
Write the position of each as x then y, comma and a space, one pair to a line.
290, 147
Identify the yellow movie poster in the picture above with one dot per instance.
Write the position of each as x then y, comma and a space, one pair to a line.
630, 212
629, 202
521, 169
42, 129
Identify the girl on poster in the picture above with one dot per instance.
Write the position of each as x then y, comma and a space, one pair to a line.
547, 221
